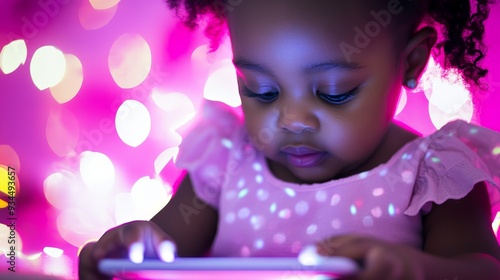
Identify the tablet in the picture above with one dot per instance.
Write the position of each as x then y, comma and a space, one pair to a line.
211, 268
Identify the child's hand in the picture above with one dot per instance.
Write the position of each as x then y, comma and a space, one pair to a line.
135, 240
379, 259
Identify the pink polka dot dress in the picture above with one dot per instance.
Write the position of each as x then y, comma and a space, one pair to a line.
260, 215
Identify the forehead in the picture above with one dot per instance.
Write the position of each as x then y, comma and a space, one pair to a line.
296, 13
291, 27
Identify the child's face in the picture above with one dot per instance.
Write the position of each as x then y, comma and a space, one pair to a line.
305, 56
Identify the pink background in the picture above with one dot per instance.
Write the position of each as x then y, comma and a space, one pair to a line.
57, 215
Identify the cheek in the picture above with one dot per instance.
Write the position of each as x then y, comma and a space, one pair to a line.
356, 135
351, 141
260, 125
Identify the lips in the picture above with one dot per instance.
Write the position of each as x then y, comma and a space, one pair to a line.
303, 156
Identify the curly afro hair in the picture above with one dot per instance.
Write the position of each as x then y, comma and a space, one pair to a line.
461, 24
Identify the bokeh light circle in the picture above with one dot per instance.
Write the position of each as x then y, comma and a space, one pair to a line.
62, 189
164, 158
439, 118
130, 60
47, 67
149, 196
13, 55
222, 86
103, 4
97, 171
449, 101
133, 122
53, 252
77, 226
9, 157
62, 132
178, 104
92, 19
403, 99
5, 232
72, 81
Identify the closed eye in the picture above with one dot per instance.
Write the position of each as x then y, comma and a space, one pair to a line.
339, 99
265, 97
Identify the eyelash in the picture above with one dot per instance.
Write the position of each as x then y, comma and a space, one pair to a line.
337, 99
266, 97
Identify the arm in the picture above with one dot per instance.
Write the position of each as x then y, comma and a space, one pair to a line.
190, 222
185, 219
459, 233
459, 244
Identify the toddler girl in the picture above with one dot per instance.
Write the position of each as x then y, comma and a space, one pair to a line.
318, 159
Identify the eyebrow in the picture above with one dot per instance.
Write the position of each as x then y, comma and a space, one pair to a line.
243, 63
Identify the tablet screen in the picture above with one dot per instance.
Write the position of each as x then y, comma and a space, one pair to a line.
229, 268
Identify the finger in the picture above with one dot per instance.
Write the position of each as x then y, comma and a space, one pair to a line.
117, 241
377, 261
167, 251
133, 237
350, 246
380, 264
164, 247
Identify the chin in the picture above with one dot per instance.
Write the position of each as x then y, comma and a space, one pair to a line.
312, 175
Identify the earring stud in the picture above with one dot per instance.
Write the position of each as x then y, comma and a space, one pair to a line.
411, 83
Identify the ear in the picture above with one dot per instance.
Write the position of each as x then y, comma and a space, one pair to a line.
418, 51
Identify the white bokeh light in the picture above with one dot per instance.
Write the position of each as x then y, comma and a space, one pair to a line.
203, 59
53, 252
61, 189
72, 81
62, 131
432, 72
403, 99
133, 123
449, 98
164, 158
222, 86
4, 240
496, 223
60, 266
92, 19
47, 67
89, 221
97, 171
103, 4
13, 55
149, 196
449, 101
130, 60
176, 103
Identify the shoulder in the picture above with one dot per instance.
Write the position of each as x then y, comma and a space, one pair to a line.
214, 132
446, 164
204, 153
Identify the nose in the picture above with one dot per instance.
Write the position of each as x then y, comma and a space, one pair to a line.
298, 119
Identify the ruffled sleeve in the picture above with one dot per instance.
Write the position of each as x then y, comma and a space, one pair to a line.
205, 151
452, 161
